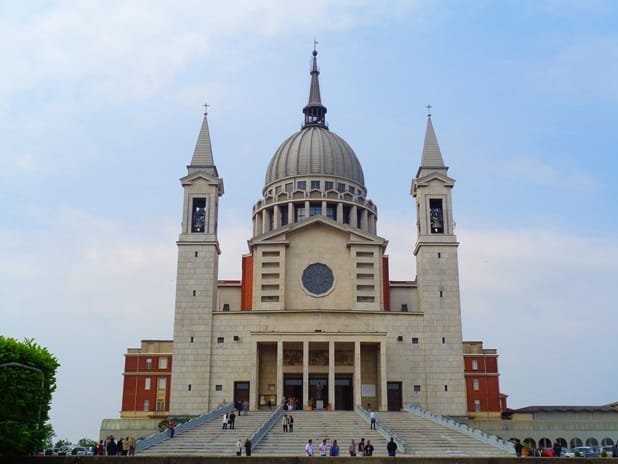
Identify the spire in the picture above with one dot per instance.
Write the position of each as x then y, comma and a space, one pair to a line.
315, 112
431, 159
202, 155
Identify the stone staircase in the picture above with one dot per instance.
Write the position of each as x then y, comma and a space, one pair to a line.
317, 425
422, 437
210, 439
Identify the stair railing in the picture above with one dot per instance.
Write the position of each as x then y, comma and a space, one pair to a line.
260, 433
452, 424
191, 424
382, 429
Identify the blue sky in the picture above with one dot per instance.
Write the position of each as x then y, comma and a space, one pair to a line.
101, 103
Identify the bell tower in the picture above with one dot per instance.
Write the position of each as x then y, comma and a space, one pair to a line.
438, 280
196, 284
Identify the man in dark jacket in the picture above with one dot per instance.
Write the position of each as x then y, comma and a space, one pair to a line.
391, 447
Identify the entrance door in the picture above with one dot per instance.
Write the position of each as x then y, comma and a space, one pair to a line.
241, 392
394, 396
318, 392
344, 394
293, 390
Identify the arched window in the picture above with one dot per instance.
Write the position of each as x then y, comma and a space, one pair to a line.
592, 442
544, 443
575, 442
607, 442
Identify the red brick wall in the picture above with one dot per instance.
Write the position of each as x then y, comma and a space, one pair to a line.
136, 371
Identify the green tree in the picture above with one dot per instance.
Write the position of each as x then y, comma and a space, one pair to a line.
27, 381
63, 443
87, 442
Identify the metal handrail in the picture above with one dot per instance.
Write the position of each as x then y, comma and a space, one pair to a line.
191, 424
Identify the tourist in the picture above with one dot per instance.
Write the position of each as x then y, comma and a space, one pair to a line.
334, 449
391, 447
557, 449
309, 448
285, 422
111, 447
369, 448
352, 448
132, 443
248, 447
170, 427
224, 421
238, 447
290, 423
361, 447
323, 448
232, 420
372, 416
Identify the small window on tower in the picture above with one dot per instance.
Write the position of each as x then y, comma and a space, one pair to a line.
436, 216
328, 185
198, 215
315, 185
417, 388
301, 185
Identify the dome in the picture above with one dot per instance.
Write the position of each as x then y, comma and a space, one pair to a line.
315, 151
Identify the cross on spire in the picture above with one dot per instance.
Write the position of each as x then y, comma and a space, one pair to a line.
315, 43
428, 110
206, 105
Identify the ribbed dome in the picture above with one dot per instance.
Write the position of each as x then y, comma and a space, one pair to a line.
315, 151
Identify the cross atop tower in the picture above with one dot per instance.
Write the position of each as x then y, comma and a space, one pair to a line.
206, 105
428, 110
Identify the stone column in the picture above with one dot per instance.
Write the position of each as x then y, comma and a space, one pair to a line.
305, 372
357, 373
383, 399
253, 376
265, 219
340, 213
331, 373
279, 372
291, 218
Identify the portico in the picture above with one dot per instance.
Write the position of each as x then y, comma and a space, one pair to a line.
322, 371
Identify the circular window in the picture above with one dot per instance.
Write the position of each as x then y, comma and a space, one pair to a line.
318, 279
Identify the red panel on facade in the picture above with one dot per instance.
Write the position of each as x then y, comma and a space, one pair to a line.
246, 297
386, 289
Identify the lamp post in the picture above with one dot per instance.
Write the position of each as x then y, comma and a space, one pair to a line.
34, 369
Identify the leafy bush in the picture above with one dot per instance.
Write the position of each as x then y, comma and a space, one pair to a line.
27, 381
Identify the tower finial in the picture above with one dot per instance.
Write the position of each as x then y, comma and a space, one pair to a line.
315, 44
206, 105
315, 112
428, 110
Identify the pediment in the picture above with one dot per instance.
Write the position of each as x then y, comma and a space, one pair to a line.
285, 234
430, 178
191, 178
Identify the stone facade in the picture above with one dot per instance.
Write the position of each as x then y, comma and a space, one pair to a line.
316, 316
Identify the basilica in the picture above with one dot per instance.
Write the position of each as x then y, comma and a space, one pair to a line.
315, 316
